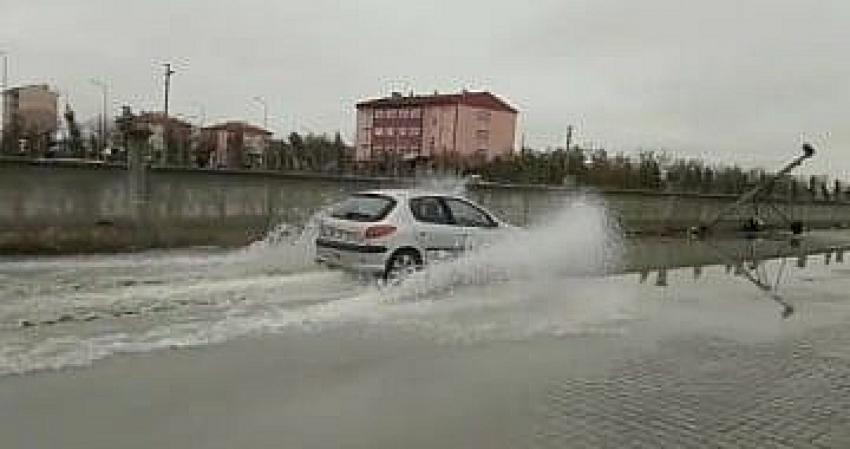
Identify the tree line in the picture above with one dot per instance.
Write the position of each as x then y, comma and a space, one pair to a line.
309, 152
576, 166
648, 170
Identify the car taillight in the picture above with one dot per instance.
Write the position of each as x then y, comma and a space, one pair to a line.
374, 232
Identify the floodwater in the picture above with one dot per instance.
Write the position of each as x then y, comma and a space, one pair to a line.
498, 323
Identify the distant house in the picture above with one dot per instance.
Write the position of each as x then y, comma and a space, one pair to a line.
235, 145
179, 148
29, 118
465, 128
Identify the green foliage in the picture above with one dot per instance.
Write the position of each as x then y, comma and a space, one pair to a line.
311, 152
650, 170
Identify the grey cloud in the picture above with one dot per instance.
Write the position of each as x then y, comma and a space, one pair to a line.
733, 80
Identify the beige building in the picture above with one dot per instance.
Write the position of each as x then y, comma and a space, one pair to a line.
29, 117
235, 145
468, 128
179, 143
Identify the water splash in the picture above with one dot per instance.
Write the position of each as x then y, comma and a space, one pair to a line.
447, 184
539, 281
579, 239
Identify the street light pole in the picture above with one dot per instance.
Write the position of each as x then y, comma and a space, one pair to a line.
104, 90
5, 69
265, 105
202, 114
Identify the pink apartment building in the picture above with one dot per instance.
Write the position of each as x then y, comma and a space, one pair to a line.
468, 127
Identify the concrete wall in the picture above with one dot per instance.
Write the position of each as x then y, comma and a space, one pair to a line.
88, 208
654, 212
62, 208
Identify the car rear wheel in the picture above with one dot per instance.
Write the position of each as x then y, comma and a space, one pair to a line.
401, 265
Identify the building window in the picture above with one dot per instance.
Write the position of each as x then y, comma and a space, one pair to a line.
390, 131
414, 131
379, 131
415, 113
402, 113
392, 113
482, 135
379, 114
402, 131
483, 116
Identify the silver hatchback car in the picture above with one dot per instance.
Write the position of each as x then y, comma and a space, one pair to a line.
389, 232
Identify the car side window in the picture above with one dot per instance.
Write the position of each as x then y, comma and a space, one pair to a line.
429, 210
465, 214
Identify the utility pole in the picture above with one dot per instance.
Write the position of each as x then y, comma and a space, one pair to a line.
566, 160
166, 128
3, 101
104, 90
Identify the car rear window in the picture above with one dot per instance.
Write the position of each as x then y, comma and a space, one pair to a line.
364, 207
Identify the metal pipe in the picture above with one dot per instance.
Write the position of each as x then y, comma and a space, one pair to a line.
808, 152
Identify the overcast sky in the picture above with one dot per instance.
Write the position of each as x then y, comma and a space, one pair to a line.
727, 80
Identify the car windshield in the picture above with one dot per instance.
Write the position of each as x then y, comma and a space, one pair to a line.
365, 207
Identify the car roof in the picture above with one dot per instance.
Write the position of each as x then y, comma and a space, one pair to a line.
400, 194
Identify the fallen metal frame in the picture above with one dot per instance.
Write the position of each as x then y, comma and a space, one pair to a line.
756, 197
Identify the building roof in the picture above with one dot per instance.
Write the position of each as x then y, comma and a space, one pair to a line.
235, 125
159, 118
485, 100
42, 87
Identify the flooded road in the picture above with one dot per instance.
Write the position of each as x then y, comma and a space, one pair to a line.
70, 311
297, 356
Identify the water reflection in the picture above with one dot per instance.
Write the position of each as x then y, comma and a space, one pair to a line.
764, 263
662, 278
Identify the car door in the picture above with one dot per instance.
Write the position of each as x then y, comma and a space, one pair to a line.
475, 225
434, 230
